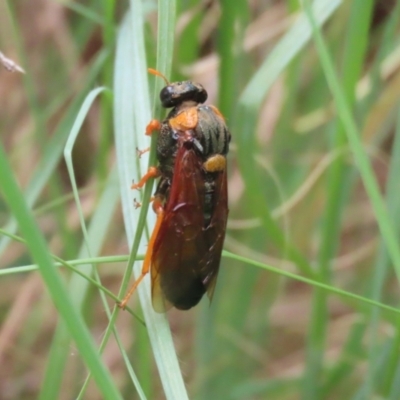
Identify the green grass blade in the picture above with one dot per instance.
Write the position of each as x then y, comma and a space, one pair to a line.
53, 281
234, 18
360, 156
91, 97
321, 285
53, 148
379, 277
250, 103
132, 113
79, 286
354, 345
354, 54
93, 240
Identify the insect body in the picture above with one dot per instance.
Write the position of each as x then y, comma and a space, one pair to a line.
190, 199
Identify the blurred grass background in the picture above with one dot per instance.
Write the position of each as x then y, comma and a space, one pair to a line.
297, 201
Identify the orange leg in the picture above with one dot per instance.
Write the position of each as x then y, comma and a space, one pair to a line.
153, 125
147, 259
151, 173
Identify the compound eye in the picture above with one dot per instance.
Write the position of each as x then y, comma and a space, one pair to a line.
166, 97
201, 95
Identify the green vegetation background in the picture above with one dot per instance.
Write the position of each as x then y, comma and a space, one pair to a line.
306, 305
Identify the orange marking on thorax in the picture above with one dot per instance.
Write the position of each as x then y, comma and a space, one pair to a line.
215, 163
186, 120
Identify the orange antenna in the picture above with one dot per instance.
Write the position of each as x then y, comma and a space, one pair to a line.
157, 73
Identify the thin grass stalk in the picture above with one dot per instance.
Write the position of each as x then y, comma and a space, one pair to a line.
338, 191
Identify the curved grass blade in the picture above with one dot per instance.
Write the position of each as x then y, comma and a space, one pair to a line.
53, 281
366, 172
53, 148
132, 113
93, 239
321, 285
250, 103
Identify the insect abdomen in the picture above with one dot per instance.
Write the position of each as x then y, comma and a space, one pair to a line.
183, 288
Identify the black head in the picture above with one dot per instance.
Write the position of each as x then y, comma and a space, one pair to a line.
177, 92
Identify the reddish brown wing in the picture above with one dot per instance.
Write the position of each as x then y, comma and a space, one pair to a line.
214, 234
180, 248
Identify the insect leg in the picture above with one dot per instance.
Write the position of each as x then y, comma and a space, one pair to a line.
153, 125
158, 208
138, 204
153, 172
141, 152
